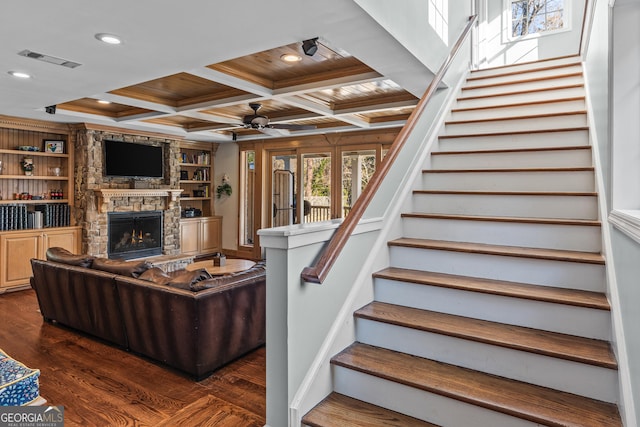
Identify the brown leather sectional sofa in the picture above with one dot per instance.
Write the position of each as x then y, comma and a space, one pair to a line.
186, 320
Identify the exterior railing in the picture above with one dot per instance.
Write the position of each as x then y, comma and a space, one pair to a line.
318, 272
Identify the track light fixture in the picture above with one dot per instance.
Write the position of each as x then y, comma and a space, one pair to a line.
310, 47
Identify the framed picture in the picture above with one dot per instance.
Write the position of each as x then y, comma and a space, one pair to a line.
53, 146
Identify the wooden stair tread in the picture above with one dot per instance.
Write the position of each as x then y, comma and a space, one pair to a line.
526, 401
516, 72
529, 80
519, 92
512, 150
519, 104
514, 251
500, 170
506, 133
554, 221
575, 297
338, 410
523, 117
509, 193
552, 344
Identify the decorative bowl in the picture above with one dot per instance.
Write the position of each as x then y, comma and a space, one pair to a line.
28, 148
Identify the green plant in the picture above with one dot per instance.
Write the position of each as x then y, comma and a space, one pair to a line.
223, 188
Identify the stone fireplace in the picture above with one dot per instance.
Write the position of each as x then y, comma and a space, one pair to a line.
98, 196
134, 234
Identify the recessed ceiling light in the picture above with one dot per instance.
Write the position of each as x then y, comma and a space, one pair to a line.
20, 74
108, 38
290, 57
102, 101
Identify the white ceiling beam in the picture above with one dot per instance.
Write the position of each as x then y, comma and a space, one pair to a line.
234, 82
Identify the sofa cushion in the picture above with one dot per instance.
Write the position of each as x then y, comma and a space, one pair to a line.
63, 256
121, 267
155, 275
185, 279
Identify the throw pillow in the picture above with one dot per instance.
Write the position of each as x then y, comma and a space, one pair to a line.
121, 267
63, 256
187, 279
155, 275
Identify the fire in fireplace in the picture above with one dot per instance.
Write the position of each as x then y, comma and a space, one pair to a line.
134, 234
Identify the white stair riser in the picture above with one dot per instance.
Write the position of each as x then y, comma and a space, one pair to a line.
574, 275
533, 74
530, 159
548, 316
548, 236
580, 181
522, 87
417, 403
518, 111
470, 101
525, 67
572, 377
512, 141
517, 125
568, 207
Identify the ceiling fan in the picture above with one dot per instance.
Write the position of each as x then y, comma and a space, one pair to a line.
261, 122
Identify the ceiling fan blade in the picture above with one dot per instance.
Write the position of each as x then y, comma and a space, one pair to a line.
269, 130
289, 126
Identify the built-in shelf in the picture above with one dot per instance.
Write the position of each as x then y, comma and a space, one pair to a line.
194, 181
32, 202
195, 198
195, 165
32, 153
42, 177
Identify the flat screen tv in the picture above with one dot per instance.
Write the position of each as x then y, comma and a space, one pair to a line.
128, 159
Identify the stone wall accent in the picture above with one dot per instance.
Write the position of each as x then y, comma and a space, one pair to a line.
89, 177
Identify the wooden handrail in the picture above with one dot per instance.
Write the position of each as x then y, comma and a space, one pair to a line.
318, 272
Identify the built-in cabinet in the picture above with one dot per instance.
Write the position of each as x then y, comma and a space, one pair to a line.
36, 174
201, 236
18, 247
200, 229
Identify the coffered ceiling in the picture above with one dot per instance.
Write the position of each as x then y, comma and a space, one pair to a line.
359, 78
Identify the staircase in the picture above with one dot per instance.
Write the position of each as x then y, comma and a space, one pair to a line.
493, 310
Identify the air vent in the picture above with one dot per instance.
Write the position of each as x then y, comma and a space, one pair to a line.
48, 58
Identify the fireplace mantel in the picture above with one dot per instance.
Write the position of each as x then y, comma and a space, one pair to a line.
106, 194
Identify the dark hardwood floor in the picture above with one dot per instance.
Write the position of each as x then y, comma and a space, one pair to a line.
101, 385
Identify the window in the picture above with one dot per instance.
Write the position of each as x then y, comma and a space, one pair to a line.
247, 207
316, 187
537, 16
357, 169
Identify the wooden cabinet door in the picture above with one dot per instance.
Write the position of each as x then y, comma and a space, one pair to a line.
68, 239
16, 252
210, 231
190, 237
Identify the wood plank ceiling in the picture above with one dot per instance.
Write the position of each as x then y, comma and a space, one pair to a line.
329, 91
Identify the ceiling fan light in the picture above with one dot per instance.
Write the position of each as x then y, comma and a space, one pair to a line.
260, 121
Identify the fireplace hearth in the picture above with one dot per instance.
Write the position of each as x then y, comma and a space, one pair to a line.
134, 234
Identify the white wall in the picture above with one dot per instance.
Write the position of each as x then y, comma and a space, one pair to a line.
625, 158
418, 28
226, 161
498, 50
